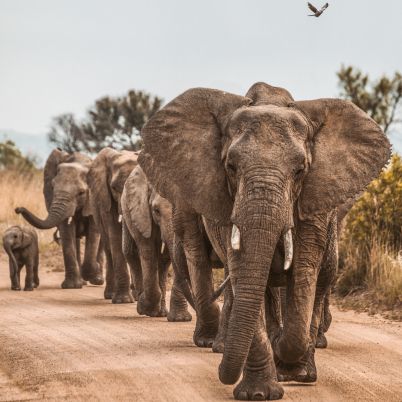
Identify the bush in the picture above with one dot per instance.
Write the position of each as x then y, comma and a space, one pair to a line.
371, 239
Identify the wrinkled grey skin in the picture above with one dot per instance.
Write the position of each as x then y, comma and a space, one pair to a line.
267, 164
66, 195
21, 246
147, 229
106, 178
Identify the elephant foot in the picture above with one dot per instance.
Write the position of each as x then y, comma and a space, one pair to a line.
321, 341
134, 292
218, 346
150, 308
36, 283
163, 312
15, 287
72, 283
179, 316
108, 294
207, 327
204, 336
92, 274
301, 372
256, 386
122, 297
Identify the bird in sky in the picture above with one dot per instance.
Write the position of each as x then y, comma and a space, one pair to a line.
316, 12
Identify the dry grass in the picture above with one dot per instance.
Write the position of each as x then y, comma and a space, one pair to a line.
23, 190
378, 270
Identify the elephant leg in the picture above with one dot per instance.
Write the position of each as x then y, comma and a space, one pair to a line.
178, 310
273, 312
36, 271
149, 302
109, 288
187, 228
78, 250
29, 277
14, 276
325, 322
132, 257
259, 380
91, 270
163, 266
121, 292
219, 342
72, 278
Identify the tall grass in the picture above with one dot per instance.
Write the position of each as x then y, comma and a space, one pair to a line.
22, 190
372, 239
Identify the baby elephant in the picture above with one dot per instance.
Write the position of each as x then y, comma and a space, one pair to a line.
21, 245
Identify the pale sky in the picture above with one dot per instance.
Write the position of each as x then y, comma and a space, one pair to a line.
58, 56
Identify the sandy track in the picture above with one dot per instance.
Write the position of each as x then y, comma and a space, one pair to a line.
73, 345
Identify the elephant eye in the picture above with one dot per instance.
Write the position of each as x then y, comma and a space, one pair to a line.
231, 168
299, 171
82, 192
157, 211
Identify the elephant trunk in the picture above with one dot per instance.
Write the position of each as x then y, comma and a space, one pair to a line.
13, 261
62, 207
263, 225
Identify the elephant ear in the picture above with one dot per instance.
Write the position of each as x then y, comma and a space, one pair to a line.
98, 182
182, 150
263, 94
135, 202
26, 238
56, 157
349, 149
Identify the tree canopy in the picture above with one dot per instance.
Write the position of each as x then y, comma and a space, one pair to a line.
381, 99
11, 158
111, 121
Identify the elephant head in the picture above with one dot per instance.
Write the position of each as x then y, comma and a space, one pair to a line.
15, 238
65, 189
256, 164
107, 176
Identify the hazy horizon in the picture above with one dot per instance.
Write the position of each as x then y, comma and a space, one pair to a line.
59, 57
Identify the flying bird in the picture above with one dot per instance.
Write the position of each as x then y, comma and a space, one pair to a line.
316, 12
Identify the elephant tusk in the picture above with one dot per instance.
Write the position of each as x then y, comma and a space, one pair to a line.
235, 238
69, 220
288, 240
221, 288
120, 218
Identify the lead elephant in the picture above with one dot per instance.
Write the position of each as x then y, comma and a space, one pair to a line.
147, 228
267, 174
65, 190
106, 178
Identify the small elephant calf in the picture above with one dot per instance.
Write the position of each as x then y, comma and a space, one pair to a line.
21, 245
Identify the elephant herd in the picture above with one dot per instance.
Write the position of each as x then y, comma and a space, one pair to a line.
254, 184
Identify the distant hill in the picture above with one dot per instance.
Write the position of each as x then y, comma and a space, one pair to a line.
29, 144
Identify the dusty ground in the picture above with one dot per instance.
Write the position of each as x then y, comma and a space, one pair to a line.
73, 345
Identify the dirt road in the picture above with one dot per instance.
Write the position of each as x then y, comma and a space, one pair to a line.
73, 345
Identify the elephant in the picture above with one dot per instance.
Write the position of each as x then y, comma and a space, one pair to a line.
106, 178
66, 196
147, 228
21, 246
267, 174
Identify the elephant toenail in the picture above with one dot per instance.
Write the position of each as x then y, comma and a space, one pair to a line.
259, 396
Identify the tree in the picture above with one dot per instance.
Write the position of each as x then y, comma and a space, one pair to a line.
114, 122
381, 99
12, 159
66, 133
